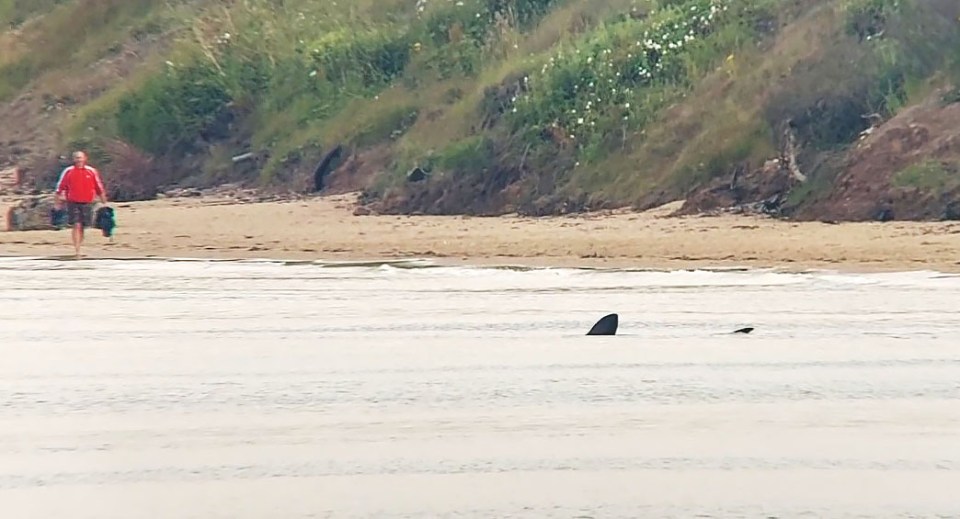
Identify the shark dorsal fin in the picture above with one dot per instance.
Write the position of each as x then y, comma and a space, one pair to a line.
607, 325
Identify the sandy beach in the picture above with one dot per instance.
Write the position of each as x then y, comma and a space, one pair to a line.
325, 228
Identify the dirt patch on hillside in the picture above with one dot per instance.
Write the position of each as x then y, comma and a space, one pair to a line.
358, 169
762, 191
450, 193
907, 168
875, 182
36, 120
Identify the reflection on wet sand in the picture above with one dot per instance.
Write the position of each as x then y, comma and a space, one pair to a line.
260, 389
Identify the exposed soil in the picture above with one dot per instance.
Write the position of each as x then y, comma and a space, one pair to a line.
865, 188
762, 190
357, 170
42, 112
482, 195
28, 143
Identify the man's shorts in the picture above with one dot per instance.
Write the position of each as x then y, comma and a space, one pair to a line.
79, 213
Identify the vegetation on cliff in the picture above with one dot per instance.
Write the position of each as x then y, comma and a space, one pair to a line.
538, 106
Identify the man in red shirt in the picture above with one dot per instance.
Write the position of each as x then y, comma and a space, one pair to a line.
79, 185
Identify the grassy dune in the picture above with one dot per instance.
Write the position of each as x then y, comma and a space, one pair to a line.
549, 104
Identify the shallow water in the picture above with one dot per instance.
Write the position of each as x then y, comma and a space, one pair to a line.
141, 389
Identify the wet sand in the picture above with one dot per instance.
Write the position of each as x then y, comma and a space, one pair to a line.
251, 390
325, 228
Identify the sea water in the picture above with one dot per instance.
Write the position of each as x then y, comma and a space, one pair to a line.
249, 389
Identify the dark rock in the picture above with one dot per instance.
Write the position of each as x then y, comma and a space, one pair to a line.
951, 211
33, 214
884, 215
416, 175
325, 167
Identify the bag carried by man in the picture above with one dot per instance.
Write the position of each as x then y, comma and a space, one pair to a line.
105, 221
58, 217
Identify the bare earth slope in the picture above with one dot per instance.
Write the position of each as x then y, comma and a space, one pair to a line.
876, 176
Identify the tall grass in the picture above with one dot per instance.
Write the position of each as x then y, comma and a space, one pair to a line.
67, 31
928, 175
286, 72
589, 95
829, 75
622, 74
14, 13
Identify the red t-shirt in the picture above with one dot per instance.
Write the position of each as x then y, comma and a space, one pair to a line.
81, 185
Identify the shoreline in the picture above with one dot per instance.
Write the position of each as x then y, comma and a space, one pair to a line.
325, 229
505, 263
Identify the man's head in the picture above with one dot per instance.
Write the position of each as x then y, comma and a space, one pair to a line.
79, 159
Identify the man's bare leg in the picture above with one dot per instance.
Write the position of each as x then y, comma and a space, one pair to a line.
77, 236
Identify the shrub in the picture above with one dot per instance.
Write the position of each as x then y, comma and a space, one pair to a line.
174, 109
928, 175
624, 73
457, 34
472, 19
867, 19
361, 62
469, 156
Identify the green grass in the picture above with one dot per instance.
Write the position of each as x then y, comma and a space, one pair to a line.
14, 13
84, 30
574, 96
928, 175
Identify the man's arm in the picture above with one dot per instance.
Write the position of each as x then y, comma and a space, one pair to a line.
61, 184
102, 191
